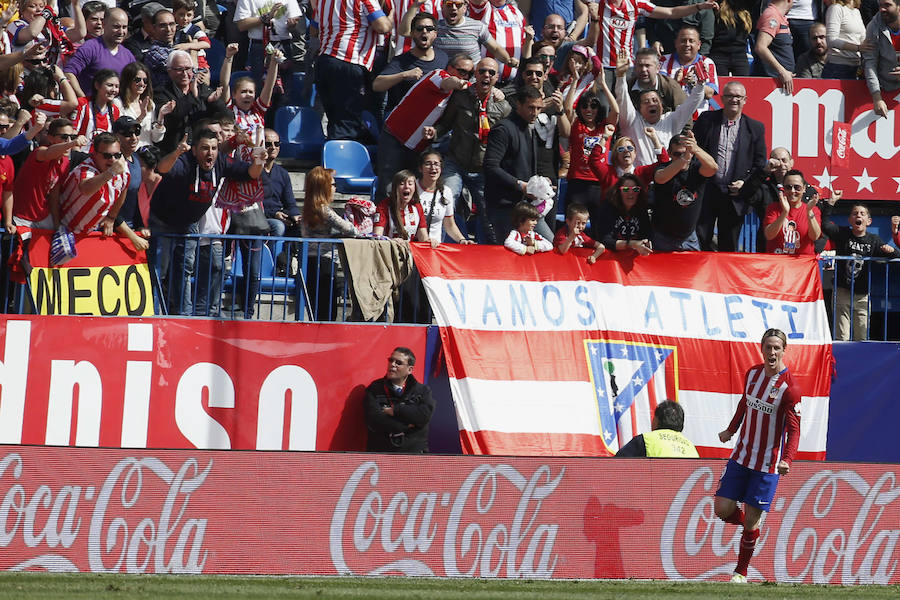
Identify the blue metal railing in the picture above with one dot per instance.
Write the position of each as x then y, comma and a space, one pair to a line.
290, 279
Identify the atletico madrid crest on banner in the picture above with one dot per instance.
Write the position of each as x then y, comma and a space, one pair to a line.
629, 379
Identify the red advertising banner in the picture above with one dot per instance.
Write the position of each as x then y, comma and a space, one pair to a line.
159, 511
802, 123
169, 383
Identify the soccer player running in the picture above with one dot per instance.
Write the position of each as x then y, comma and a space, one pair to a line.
769, 407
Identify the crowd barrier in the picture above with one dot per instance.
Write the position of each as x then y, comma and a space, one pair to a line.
290, 279
277, 513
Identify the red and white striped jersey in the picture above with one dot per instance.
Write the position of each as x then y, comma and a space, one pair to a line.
401, 43
344, 30
703, 67
89, 121
507, 26
80, 213
769, 408
617, 21
251, 122
422, 106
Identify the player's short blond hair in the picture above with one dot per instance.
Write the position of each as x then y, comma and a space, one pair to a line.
774, 333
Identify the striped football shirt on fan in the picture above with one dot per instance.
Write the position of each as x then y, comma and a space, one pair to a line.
422, 106
617, 23
344, 30
549, 357
80, 213
506, 25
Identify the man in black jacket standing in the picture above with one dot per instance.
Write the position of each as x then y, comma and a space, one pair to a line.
738, 144
510, 161
398, 408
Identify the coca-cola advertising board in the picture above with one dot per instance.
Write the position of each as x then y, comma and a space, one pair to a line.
241, 512
178, 383
802, 122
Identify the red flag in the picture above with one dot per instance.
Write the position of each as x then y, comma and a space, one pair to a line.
840, 145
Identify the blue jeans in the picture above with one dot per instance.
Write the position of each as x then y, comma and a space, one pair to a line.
210, 266
664, 243
455, 179
174, 257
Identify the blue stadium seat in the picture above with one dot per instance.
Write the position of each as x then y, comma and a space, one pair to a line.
300, 130
352, 166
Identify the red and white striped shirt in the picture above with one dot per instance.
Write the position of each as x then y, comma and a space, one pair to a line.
704, 68
769, 407
251, 122
617, 23
80, 213
506, 25
401, 43
89, 121
422, 106
413, 219
344, 30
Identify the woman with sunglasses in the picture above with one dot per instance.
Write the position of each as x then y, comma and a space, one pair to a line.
585, 132
99, 112
793, 224
136, 101
610, 164
623, 223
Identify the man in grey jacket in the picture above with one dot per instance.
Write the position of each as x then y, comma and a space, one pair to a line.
880, 63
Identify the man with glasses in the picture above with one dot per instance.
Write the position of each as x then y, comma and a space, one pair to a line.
469, 117
397, 408
157, 56
738, 143
278, 202
563, 21
128, 132
193, 100
403, 136
507, 25
399, 75
93, 192
140, 41
104, 52
42, 171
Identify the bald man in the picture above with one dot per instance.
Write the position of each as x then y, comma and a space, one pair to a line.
104, 52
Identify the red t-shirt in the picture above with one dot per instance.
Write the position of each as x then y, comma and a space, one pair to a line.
33, 182
793, 238
582, 140
582, 240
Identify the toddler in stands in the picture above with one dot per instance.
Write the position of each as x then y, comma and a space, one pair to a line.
523, 239
572, 233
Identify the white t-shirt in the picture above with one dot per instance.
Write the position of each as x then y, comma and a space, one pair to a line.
441, 210
253, 8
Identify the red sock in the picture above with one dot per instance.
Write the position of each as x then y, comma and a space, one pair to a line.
736, 517
748, 545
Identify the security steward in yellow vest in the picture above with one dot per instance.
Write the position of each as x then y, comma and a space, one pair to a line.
666, 439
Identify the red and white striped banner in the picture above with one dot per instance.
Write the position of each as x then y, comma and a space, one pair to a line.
548, 355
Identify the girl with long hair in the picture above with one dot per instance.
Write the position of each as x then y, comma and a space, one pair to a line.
728, 49
100, 111
136, 100
437, 200
400, 215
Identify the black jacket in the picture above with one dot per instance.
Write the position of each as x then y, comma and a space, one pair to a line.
749, 153
407, 430
508, 158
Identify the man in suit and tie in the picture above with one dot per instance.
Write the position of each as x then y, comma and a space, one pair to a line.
738, 143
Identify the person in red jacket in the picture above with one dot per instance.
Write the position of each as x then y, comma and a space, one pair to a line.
769, 409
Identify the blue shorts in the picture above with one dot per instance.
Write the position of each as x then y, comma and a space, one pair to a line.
748, 486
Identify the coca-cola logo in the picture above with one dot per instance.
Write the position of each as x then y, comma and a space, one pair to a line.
490, 526
114, 522
811, 543
841, 149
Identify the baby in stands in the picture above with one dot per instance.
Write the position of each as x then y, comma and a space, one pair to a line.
523, 239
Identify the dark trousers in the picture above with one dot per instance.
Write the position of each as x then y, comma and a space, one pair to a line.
341, 87
392, 157
731, 63
718, 211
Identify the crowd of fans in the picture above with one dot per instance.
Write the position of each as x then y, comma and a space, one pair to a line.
134, 125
